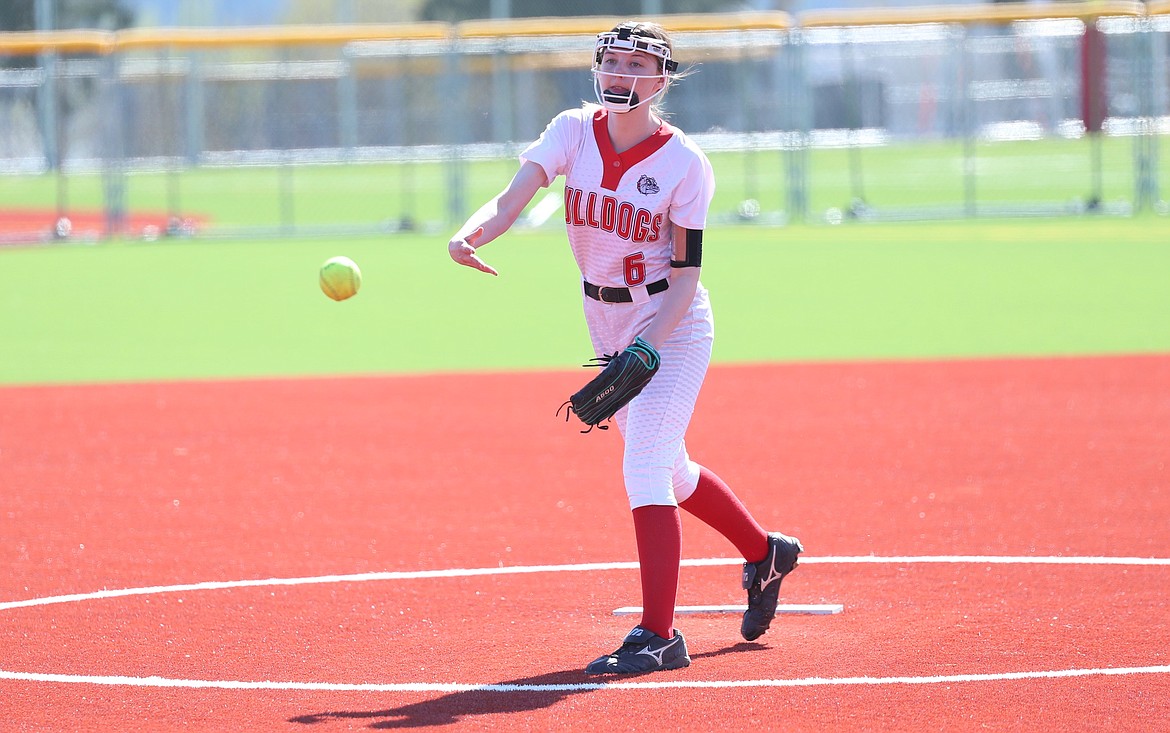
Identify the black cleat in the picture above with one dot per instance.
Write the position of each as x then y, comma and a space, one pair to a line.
762, 581
643, 651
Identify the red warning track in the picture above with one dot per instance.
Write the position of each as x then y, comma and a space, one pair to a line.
133, 486
25, 226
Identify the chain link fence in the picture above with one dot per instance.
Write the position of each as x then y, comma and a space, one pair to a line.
994, 110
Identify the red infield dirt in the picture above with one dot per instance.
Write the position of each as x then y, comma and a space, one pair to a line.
327, 483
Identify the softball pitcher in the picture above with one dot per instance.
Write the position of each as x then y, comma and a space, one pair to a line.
637, 192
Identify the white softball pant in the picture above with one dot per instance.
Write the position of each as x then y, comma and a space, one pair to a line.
655, 464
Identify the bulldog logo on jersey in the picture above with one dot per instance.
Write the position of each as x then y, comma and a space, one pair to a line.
647, 186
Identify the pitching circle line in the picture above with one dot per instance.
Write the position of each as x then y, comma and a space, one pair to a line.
581, 567
584, 567
582, 687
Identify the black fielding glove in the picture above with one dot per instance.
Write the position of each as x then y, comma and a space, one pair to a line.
623, 376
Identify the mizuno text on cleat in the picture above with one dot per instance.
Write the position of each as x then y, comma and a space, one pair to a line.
643, 651
762, 581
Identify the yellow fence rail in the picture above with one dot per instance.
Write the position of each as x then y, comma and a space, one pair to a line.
108, 42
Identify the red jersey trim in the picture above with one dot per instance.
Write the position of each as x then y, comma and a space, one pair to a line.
616, 164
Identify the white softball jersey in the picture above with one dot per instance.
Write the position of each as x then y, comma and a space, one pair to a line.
619, 212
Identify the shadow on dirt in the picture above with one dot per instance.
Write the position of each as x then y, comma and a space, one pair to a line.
500, 698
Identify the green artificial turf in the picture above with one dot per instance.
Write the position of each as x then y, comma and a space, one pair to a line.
216, 308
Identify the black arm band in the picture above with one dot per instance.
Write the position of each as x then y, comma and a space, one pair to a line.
694, 256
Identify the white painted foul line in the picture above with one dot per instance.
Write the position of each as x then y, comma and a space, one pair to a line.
815, 609
573, 687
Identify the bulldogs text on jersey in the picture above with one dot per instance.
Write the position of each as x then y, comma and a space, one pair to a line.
605, 212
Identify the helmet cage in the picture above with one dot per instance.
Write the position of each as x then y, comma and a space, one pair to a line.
626, 40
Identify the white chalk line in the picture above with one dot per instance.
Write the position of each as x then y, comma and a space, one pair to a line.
582, 567
575, 687
156, 681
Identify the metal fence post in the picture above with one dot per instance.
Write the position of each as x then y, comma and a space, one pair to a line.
193, 137
1146, 192
967, 121
47, 99
1158, 107
347, 112
502, 128
455, 134
796, 126
285, 139
854, 120
113, 147
47, 111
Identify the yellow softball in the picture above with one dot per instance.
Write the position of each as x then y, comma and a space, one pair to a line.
340, 278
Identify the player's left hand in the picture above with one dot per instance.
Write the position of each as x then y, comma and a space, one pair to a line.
462, 250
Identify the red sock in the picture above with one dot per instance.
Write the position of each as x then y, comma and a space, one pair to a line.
714, 504
658, 530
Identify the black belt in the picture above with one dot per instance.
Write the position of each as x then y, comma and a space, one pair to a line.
622, 295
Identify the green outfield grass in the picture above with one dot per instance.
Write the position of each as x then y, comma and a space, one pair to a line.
1052, 172
215, 308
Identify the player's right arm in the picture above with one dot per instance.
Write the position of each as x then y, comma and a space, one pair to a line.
496, 217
